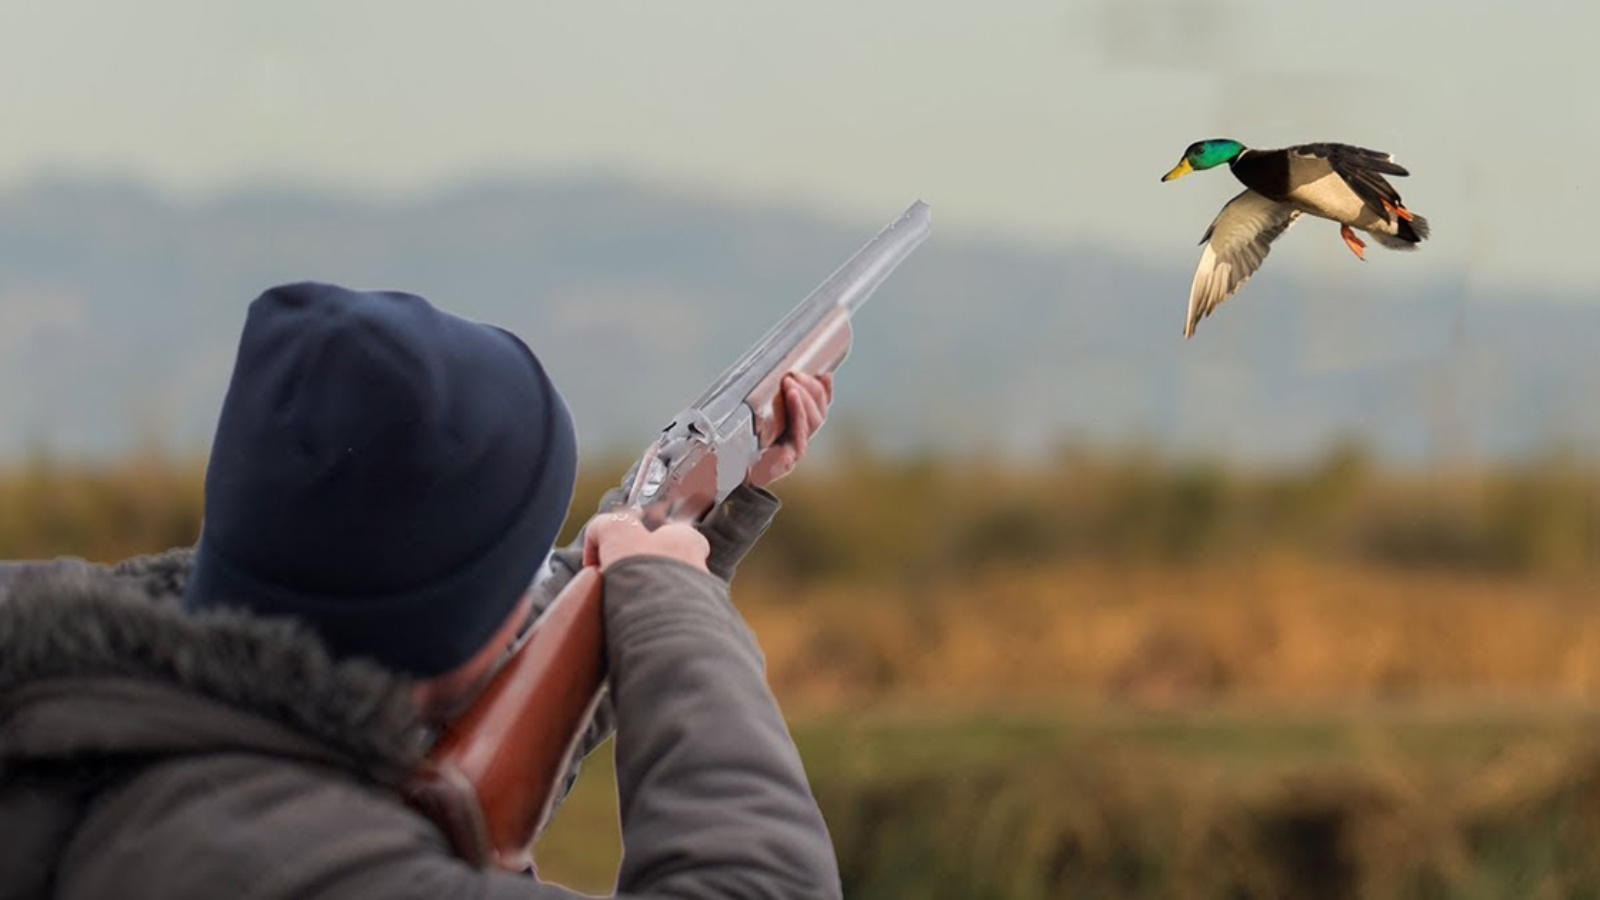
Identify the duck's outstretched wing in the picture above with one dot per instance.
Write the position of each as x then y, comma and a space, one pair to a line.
1362, 169
1235, 245
1353, 157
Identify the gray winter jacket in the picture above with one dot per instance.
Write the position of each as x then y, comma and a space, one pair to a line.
146, 752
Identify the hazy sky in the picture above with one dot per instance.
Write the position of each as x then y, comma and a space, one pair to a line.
1044, 121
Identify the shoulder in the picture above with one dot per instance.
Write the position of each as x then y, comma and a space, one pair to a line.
154, 575
14, 571
236, 823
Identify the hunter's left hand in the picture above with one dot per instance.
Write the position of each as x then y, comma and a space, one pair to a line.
805, 404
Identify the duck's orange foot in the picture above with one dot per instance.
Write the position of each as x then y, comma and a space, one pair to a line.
1396, 209
1355, 244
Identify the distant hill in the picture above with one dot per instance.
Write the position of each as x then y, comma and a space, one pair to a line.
119, 310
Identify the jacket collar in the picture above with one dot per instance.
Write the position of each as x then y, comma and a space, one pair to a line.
103, 660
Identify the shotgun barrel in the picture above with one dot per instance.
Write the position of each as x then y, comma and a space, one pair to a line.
707, 450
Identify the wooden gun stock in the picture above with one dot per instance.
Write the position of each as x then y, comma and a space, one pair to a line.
490, 780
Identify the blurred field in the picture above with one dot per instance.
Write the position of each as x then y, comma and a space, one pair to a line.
1397, 802
1114, 674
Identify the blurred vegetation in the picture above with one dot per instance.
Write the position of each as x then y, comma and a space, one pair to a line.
875, 517
1211, 807
1336, 679
101, 511
1095, 803
1114, 575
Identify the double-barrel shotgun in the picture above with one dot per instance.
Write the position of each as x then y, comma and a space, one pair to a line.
490, 780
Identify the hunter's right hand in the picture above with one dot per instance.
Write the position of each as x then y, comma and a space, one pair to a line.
618, 534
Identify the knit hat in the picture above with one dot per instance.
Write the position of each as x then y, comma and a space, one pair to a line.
384, 471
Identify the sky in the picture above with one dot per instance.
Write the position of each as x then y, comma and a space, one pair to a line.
1040, 122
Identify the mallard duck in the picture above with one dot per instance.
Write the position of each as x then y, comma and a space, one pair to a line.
1331, 181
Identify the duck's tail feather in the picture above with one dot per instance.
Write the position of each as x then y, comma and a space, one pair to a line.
1409, 232
1414, 229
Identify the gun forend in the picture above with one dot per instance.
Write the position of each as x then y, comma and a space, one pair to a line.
708, 449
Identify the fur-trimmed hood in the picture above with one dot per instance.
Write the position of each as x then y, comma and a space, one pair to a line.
98, 660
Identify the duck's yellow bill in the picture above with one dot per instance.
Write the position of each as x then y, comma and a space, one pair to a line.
1178, 171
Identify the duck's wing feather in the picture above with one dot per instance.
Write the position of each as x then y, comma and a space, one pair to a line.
1351, 157
1360, 168
1235, 245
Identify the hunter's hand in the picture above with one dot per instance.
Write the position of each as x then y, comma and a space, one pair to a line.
805, 402
618, 534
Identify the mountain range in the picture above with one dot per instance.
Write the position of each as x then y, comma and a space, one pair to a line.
120, 308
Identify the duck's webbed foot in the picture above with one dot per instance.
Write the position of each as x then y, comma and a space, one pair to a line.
1355, 244
1395, 209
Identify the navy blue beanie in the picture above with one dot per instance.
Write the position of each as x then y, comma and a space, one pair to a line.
388, 473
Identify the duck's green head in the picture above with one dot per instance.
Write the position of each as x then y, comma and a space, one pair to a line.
1204, 155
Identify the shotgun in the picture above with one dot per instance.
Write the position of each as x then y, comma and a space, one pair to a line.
490, 779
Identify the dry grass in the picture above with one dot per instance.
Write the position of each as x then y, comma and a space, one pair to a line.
99, 511
1117, 577
1273, 629
1235, 804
